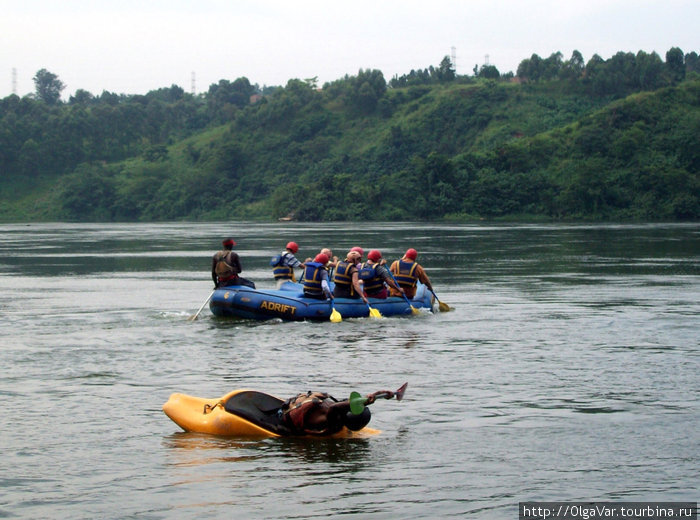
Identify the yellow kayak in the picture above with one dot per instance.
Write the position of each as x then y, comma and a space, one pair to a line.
241, 413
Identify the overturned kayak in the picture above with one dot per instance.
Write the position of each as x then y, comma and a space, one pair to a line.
240, 413
289, 303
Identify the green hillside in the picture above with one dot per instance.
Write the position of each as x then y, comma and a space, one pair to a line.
548, 143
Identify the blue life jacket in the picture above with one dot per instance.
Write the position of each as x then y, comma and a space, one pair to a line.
343, 276
370, 276
280, 271
312, 278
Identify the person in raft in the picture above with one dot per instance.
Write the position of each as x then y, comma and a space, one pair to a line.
316, 278
376, 277
226, 266
318, 413
332, 261
283, 265
347, 281
408, 273
359, 250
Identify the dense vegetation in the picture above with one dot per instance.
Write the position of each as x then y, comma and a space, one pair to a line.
606, 139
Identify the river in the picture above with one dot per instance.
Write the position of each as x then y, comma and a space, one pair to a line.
568, 369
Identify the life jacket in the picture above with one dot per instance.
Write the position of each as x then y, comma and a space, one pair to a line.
370, 276
312, 278
224, 271
343, 276
406, 276
283, 272
296, 409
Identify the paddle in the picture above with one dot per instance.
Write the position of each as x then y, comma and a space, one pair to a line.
441, 305
413, 309
374, 313
357, 402
335, 315
194, 317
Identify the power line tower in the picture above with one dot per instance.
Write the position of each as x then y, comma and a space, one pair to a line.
453, 57
486, 60
193, 89
14, 81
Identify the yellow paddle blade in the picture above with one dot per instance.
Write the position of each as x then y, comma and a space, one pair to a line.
414, 310
374, 313
444, 307
336, 317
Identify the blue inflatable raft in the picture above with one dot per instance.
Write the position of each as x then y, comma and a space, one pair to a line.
289, 304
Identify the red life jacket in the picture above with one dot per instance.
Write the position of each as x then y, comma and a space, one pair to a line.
296, 410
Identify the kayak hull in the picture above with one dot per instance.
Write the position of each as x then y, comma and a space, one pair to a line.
289, 304
202, 415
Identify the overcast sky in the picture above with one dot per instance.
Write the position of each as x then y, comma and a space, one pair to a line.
132, 47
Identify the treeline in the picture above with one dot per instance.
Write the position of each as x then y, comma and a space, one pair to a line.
622, 74
606, 139
39, 135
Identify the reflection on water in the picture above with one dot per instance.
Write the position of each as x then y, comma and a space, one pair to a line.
197, 449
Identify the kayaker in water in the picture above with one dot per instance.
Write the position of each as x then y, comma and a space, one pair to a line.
347, 281
316, 278
408, 273
376, 277
318, 413
286, 262
226, 266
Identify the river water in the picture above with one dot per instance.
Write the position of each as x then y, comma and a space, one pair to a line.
568, 369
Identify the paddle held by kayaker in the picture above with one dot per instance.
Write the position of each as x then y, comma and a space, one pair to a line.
318, 413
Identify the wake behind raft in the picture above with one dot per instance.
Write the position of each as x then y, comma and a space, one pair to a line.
248, 413
289, 304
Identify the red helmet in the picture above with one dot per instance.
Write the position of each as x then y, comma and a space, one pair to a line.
321, 258
374, 255
359, 250
293, 247
411, 253
229, 242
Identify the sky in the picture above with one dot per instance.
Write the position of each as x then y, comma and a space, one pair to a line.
133, 47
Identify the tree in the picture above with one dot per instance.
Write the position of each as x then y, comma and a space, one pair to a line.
576, 62
367, 89
552, 66
489, 72
446, 70
650, 70
48, 87
572, 70
167, 95
692, 62
530, 69
675, 64
81, 97
225, 92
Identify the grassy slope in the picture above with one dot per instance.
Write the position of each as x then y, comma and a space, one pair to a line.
536, 127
